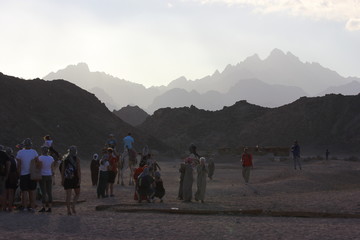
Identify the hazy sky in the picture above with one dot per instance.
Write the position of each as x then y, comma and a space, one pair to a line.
153, 42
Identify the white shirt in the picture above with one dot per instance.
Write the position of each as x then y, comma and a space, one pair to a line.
46, 165
104, 166
25, 156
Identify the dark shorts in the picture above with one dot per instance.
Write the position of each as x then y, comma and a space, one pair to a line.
111, 177
26, 184
71, 183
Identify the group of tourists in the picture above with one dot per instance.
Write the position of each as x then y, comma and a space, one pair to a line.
147, 178
28, 170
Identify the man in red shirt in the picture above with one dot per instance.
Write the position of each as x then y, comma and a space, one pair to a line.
246, 160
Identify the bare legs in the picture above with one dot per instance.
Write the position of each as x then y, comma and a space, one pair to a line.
71, 205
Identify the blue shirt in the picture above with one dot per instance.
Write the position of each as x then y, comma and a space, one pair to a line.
128, 142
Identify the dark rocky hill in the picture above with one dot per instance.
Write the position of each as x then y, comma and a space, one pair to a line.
132, 115
332, 121
73, 116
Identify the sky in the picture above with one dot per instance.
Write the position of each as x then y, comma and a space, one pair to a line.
153, 42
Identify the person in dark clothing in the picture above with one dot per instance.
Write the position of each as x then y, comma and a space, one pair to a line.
159, 187
94, 169
295, 149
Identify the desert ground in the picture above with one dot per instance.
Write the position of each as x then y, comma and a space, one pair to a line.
322, 201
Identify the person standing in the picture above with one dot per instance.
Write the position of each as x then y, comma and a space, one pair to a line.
295, 149
27, 186
103, 175
94, 169
202, 172
11, 183
113, 169
188, 180
181, 182
47, 170
71, 178
4, 174
327, 154
211, 168
247, 164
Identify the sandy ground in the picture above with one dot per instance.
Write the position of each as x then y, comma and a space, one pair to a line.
321, 187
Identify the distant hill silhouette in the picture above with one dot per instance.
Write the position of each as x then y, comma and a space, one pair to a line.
120, 91
132, 115
279, 79
352, 88
252, 90
278, 68
71, 115
317, 123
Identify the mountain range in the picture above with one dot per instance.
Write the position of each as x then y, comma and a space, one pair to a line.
318, 123
71, 115
277, 80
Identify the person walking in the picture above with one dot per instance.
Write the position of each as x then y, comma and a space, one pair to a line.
94, 169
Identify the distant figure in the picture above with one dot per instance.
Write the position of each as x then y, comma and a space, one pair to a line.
202, 172
103, 175
159, 187
247, 164
327, 154
113, 169
144, 184
128, 142
182, 174
48, 142
192, 150
211, 168
188, 180
111, 142
295, 149
94, 169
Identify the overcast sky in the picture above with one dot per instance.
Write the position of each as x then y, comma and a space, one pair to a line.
153, 42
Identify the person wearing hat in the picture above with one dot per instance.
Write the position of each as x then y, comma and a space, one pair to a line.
247, 164
94, 169
27, 186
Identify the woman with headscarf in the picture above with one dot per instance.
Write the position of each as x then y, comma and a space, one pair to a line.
188, 180
71, 178
94, 169
202, 172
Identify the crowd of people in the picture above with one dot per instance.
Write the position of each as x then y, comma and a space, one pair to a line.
28, 170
